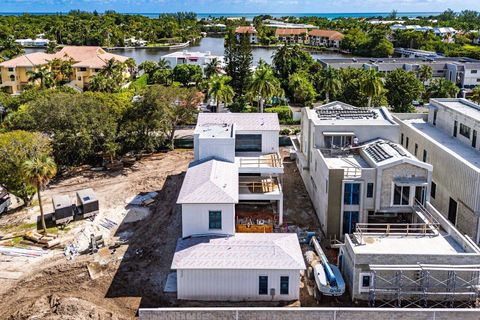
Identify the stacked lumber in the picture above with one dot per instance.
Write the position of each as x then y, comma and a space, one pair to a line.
48, 240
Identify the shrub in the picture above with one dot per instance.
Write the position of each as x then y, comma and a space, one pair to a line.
284, 112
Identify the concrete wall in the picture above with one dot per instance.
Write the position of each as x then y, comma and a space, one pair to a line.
195, 218
306, 313
218, 148
234, 285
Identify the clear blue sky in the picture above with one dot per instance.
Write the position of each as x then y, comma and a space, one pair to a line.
239, 6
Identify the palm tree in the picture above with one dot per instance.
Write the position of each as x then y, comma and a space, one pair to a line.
264, 85
163, 64
219, 89
425, 73
43, 74
211, 68
330, 82
37, 173
476, 95
113, 69
371, 84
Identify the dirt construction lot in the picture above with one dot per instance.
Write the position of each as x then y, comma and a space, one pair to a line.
116, 281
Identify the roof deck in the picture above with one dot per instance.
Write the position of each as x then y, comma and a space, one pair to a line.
339, 113
446, 142
252, 162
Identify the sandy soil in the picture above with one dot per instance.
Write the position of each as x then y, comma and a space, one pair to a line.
115, 282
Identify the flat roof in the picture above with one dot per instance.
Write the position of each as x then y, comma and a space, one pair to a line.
215, 131
440, 244
340, 113
463, 106
346, 161
242, 121
445, 141
397, 60
270, 251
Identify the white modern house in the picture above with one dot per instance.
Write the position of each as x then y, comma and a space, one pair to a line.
191, 57
232, 202
448, 138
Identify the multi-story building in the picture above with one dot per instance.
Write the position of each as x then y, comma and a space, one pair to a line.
87, 62
354, 170
465, 72
201, 59
232, 201
448, 138
293, 35
248, 31
325, 38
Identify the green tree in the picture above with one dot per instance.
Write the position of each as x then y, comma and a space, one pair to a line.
220, 90
9, 48
212, 68
52, 47
442, 88
102, 83
238, 61
372, 85
43, 76
38, 172
163, 64
16, 147
402, 88
301, 88
187, 73
425, 73
264, 85
330, 82
476, 95
289, 59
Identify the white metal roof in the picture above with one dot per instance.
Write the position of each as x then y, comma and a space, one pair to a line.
242, 121
273, 251
212, 181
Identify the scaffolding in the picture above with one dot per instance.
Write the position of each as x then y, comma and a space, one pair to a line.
424, 286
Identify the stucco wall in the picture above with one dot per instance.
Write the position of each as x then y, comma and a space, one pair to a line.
195, 219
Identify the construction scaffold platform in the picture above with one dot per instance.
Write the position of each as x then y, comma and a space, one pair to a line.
424, 286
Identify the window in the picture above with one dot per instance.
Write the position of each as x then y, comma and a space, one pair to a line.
464, 130
401, 139
401, 195
406, 144
10, 69
283, 285
79, 78
424, 156
433, 190
369, 190
337, 141
416, 149
83, 69
365, 281
474, 139
455, 125
263, 285
12, 77
452, 211
351, 194
350, 220
435, 117
215, 220
474, 71
248, 143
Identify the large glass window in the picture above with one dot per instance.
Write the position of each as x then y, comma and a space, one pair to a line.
350, 220
337, 141
401, 195
248, 143
351, 195
283, 285
464, 130
263, 285
215, 220
369, 190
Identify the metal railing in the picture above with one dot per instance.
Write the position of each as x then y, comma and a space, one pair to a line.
271, 160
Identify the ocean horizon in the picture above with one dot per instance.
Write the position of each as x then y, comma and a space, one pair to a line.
250, 16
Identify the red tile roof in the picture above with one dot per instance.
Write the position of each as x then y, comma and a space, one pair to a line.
245, 29
290, 32
331, 34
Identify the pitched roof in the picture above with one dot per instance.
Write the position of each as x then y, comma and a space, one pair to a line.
99, 61
212, 181
27, 60
242, 121
331, 34
288, 32
246, 29
79, 53
271, 251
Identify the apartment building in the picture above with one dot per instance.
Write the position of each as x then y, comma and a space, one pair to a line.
292, 35
232, 201
87, 62
448, 138
465, 72
354, 170
248, 31
325, 38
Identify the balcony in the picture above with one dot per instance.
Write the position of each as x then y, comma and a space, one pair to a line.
259, 163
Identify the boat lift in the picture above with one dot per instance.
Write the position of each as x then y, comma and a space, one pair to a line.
328, 277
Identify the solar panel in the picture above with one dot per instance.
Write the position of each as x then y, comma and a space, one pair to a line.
338, 112
377, 153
